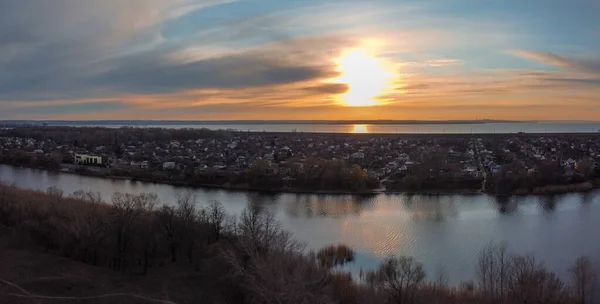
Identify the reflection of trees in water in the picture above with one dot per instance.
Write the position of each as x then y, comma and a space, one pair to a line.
310, 205
431, 207
588, 197
548, 202
258, 201
506, 204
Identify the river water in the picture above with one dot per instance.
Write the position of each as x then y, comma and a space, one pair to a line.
445, 232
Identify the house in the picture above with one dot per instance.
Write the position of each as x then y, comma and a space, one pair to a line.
570, 162
358, 155
285, 171
404, 157
269, 157
86, 159
168, 166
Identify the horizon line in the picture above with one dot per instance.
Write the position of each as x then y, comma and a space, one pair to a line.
291, 121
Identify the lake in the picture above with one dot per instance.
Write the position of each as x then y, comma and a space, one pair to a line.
444, 232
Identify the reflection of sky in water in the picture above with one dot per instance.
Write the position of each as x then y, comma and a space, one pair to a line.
447, 230
527, 127
437, 230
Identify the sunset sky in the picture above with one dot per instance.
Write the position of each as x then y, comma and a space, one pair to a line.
300, 59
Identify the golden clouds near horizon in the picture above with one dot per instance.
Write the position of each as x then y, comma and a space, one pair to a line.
367, 76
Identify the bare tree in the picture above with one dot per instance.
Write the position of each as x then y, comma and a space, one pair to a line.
530, 282
276, 277
54, 192
187, 217
91, 225
128, 211
271, 266
260, 231
215, 214
398, 276
493, 270
585, 280
335, 255
91, 197
441, 279
166, 221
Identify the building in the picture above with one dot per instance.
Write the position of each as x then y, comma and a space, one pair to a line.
86, 159
169, 166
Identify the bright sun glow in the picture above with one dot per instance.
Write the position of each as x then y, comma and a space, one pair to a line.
360, 129
367, 77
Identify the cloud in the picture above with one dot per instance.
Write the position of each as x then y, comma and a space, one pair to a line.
590, 65
153, 73
442, 62
545, 57
46, 46
433, 63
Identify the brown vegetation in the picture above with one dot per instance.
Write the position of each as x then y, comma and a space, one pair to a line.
184, 254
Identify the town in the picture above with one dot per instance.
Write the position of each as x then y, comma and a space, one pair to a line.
319, 162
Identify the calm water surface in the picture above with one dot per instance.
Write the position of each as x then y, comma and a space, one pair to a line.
527, 127
446, 230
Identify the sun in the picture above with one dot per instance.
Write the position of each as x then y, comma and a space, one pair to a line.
366, 75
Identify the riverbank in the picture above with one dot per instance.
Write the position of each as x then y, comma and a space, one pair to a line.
546, 190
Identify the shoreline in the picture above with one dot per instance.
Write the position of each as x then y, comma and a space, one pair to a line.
547, 190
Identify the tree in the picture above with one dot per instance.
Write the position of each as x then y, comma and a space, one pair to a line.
493, 270
215, 216
259, 173
128, 209
530, 282
357, 177
585, 280
335, 255
118, 151
400, 277
586, 167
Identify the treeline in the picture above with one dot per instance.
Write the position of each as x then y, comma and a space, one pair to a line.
548, 176
249, 259
315, 174
26, 159
95, 136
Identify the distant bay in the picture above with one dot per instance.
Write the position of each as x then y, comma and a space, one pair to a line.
358, 126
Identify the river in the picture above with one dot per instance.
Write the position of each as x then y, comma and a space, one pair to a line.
444, 232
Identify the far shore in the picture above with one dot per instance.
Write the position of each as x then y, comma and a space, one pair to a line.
547, 190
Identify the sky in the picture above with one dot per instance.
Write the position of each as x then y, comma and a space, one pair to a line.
300, 59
